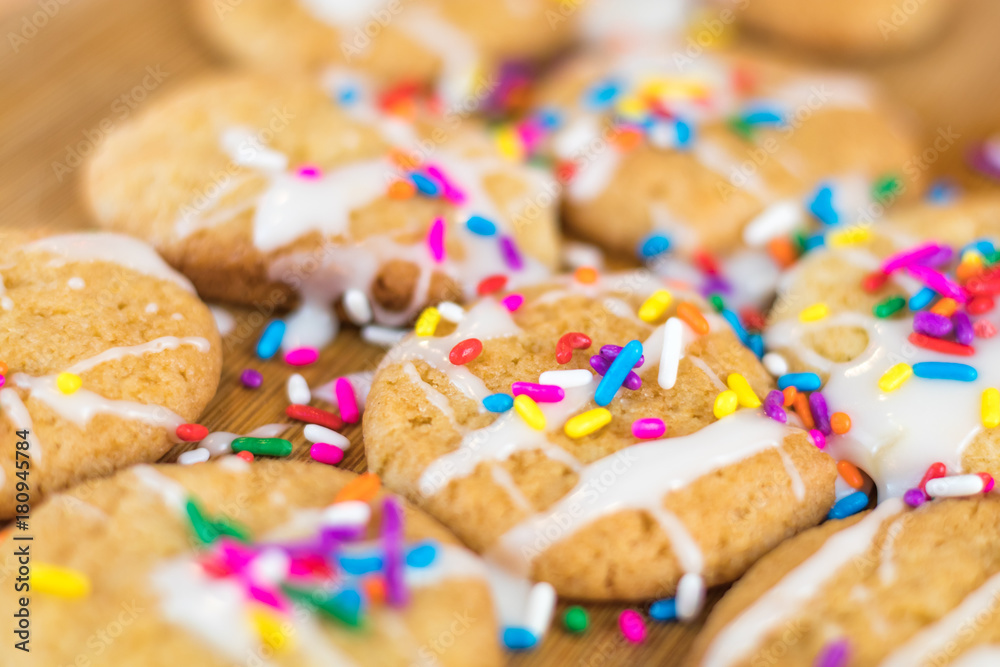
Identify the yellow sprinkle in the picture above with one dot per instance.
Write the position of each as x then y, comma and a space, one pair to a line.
530, 412
509, 144
59, 581
655, 306
972, 257
269, 628
744, 392
945, 307
427, 323
632, 107
894, 378
674, 88
991, 407
814, 313
725, 404
588, 422
850, 236
68, 383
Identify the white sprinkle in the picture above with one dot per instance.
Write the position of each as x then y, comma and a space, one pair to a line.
224, 320
670, 356
315, 433
347, 513
576, 254
199, 455
451, 311
357, 307
6, 303
955, 486
298, 390
270, 567
383, 336
177, 316
76, 283
690, 596
568, 378
152, 308
775, 364
777, 219
540, 607
234, 464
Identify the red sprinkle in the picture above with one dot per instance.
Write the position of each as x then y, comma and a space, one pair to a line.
491, 284
942, 346
466, 351
569, 342
753, 319
935, 471
984, 329
988, 482
874, 281
246, 456
980, 304
192, 432
706, 262
311, 415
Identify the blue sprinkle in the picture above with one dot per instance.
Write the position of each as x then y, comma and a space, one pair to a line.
347, 96
757, 344
603, 94
498, 402
945, 370
738, 328
653, 245
519, 639
942, 191
922, 298
801, 381
359, 565
821, 206
813, 242
985, 247
422, 555
349, 600
425, 185
617, 372
849, 505
480, 225
271, 339
685, 134
663, 610
763, 117
549, 119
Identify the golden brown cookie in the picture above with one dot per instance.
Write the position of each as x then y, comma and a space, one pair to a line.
598, 514
265, 191
107, 351
224, 564
895, 587
909, 366
714, 150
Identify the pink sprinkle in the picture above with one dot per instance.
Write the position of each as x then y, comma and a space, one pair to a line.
310, 172
435, 239
3, 380
648, 428
531, 136
346, 400
511, 255
265, 597
818, 439
988, 481
908, 257
302, 356
326, 453
540, 393
938, 282
451, 193
984, 329
513, 301
632, 626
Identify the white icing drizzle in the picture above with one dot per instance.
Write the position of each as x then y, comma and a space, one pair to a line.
19, 417
887, 562
174, 495
434, 397
798, 486
458, 54
154, 346
786, 598
980, 656
936, 638
224, 320
114, 248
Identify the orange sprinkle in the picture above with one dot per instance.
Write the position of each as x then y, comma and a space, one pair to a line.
586, 275
801, 402
363, 488
945, 306
840, 423
3, 368
5, 533
401, 190
782, 251
790, 394
374, 588
967, 270
627, 139
690, 314
402, 160
851, 474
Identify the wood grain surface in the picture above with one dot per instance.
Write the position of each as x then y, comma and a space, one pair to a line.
92, 64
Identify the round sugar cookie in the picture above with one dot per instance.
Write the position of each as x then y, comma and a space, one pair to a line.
714, 150
599, 514
908, 367
459, 45
895, 587
107, 351
268, 192
229, 563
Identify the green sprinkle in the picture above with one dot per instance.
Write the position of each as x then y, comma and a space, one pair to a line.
263, 446
203, 528
800, 242
891, 305
232, 529
575, 620
886, 187
717, 303
325, 604
992, 258
740, 127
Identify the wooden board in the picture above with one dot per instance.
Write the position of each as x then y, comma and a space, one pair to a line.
94, 63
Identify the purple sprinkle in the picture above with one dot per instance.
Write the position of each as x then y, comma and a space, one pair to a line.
251, 379
914, 497
932, 324
632, 381
600, 364
774, 406
611, 351
834, 654
982, 158
820, 413
392, 545
716, 285
511, 255
964, 332
942, 256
